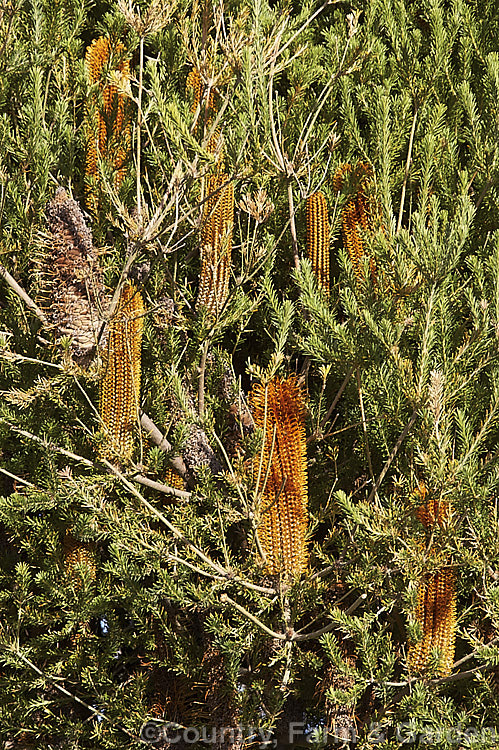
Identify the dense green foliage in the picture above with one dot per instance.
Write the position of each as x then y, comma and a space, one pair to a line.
180, 610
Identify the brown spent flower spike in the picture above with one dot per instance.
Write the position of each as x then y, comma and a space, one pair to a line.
281, 471
108, 128
318, 237
356, 216
120, 388
436, 606
69, 276
216, 244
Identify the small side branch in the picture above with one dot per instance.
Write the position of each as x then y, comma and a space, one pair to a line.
292, 224
4, 274
243, 611
407, 168
55, 684
176, 462
394, 452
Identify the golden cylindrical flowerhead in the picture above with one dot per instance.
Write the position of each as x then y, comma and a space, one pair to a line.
108, 127
318, 237
120, 387
280, 471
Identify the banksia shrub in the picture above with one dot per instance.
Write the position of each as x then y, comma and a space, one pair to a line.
69, 276
436, 606
120, 388
216, 244
281, 475
357, 214
108, 129
318, 237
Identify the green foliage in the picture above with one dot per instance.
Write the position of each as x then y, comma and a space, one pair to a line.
175, 618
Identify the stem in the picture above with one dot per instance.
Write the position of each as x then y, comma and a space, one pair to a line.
394, 452
317, 633
243, 611
55, 684
364, 426
16, 478
139, 123
202, 370
407, 167
91, 465
292, 224
159, 439
176, 532
333, 405
159, 487
4, 274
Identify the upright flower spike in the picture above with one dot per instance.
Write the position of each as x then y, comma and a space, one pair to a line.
356, 216
77, 553
108, 131
216, 244
193, 83
436, 606
318, 237
120, 387
281, 474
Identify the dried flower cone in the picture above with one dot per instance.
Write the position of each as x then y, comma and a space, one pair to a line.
356, 217
108, 128
436, 607
216, 244
81, 554
318, 237
120, 388
70, 278
281, 470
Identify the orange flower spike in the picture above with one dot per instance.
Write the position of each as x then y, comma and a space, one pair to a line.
356, 217
279, 410
216, 244
436, 607
115, 144
318, 237
120, 388
444, 628
193, 83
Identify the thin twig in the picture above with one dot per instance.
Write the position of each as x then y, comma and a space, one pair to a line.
335, 401
176, 533
394, 452
364, 425
139, 478
16, 478
317, 633
68, 694
202, 371
292, 225
243, 611
4, 274
159, 487
407, 168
